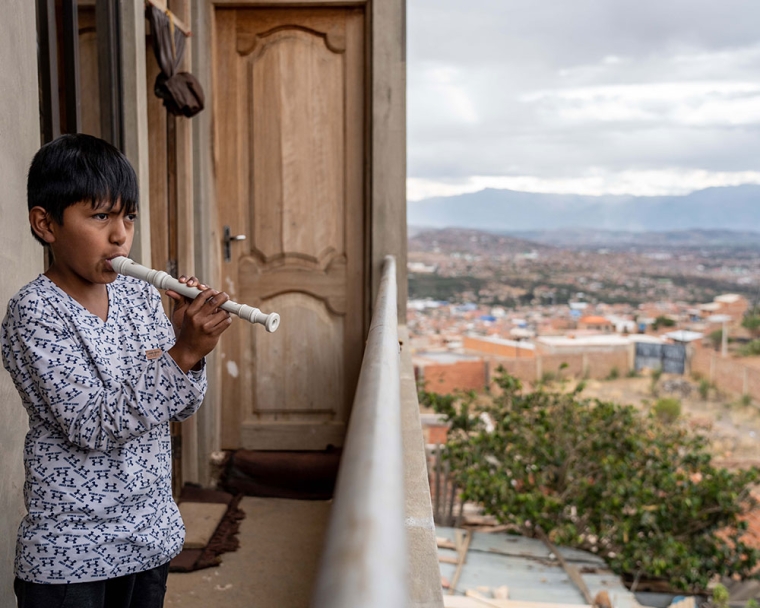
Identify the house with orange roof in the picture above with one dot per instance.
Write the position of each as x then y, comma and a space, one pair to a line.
597, 323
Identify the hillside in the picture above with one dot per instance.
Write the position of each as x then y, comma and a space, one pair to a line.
475, 242
586, 238
730, 208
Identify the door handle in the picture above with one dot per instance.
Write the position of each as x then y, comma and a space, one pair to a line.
228, 239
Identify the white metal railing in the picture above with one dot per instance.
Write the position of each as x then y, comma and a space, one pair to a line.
364, 563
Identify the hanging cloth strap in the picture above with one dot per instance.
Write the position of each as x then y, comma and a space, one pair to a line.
181, 92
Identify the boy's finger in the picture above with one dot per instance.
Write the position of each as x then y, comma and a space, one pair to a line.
219, 300
201, 299
215, 302
218, 323
193, 282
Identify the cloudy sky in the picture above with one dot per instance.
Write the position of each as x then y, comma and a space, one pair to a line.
642, 97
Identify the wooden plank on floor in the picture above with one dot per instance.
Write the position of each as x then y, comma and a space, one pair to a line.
458, 601
201, 520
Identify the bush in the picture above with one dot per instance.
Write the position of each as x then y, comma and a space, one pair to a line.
720, 596
667, 409
546, 379
716, 338
751, 349
614, 374
663, 321
605, 478
704, 389
752, 322
656, 375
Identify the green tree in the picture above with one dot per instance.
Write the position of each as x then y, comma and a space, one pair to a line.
663, 321
751, 322
602, 477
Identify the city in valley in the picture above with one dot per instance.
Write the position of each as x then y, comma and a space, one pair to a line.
614, 309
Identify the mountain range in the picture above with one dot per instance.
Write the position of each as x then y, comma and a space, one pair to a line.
587, 238
735, 208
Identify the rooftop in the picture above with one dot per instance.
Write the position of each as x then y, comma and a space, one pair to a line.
598, 340
445, 358
684, 336
595, 320
530, 571
729, 298
503, 341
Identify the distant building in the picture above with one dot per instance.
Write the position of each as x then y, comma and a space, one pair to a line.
731, 304
558, 324
598, 343
493, 345
734, 305
623, 325
596, 323
424, 304
446, 372
421, 268
684, 337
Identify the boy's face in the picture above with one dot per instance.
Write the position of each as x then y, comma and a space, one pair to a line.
89, 238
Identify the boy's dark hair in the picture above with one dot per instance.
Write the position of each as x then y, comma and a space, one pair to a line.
75, 168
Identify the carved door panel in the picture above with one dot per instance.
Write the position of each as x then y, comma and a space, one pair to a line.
289, 161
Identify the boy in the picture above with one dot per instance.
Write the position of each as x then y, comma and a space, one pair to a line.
100, 373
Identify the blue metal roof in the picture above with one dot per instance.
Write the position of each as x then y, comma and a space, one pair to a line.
526, 566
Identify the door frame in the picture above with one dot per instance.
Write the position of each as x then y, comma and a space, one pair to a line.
170, 216
385, 174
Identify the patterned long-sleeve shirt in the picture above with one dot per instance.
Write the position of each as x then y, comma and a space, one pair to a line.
97, 456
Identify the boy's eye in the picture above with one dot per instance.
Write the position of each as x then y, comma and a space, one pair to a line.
132, 217
101, 216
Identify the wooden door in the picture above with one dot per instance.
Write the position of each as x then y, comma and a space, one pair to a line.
289, 162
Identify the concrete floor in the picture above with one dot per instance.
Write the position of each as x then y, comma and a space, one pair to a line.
275, 566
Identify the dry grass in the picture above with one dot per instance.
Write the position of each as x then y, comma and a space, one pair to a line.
734, 428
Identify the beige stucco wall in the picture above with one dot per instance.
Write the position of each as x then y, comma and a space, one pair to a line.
388, 157
20, 255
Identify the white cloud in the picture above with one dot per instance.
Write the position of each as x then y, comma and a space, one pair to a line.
593, 96
595, 182
441, 96
689, 103
719, 62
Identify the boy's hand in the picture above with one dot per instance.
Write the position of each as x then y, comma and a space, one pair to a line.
201, 322
181, 302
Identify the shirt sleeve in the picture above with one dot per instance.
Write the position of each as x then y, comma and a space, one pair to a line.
168, 338
199, 377
55, 374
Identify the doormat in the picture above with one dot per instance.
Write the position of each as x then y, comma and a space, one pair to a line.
272, 474
223, 540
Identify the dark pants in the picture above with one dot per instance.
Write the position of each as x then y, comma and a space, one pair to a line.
141, 590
